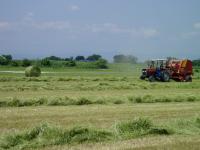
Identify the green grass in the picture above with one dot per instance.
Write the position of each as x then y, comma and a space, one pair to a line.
45, 134
96, 101
65, 101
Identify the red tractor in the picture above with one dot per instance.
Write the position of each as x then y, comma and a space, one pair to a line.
164, 70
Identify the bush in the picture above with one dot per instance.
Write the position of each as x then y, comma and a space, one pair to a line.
80, 58
26, 62
3, 61
70, 63
196, 62
45, 62
54, 58
94, 57
101, 64
32, 71
14, 63
8, 57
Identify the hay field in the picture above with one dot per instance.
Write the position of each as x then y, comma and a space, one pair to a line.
97, 109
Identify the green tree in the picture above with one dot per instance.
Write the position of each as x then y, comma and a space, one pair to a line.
132, 59
80, 58
3, 61
26, 63
119, 58
101, 64
125, 59
196, 62
94, 57
70, 63
14, 63
54, 58
8, 57
46, 62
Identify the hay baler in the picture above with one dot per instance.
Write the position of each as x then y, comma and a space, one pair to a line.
164, 70
181, 70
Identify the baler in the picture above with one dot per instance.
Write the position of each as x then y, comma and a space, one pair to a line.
164, 70
180, 70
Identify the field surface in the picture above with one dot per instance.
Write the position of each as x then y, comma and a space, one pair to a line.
112, 109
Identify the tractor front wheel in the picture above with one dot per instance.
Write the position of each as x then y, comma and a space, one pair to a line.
165, 76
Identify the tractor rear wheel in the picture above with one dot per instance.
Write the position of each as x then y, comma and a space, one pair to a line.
165, 76
152, 79
142, 77
188, 78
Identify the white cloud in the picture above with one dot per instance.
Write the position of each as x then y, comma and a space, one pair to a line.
116, 29
55, 25
193, 33
29, 22
73, 8
197, 25
148, 33
190, 34
106, 27
28, 17
4, 25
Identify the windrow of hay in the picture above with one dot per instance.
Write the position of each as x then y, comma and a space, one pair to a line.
140, 127
59, 101
48, 135
155, 99
88, 84
65, 101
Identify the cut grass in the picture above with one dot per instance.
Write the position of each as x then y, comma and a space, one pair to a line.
140, 127
155, 99
90, 98
65, 101
46, 134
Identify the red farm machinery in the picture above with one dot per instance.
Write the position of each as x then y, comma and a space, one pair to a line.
164, 70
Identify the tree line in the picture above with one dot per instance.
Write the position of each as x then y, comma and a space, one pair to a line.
196, 62
92, 61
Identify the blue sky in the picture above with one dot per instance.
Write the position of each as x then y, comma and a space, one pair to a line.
145, 28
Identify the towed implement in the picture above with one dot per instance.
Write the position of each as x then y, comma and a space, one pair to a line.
164, 70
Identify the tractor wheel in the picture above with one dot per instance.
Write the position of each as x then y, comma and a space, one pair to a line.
152, 79
142, 77
188, 78
165, 76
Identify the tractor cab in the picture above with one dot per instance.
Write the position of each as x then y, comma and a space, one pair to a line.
157, 63
156, 70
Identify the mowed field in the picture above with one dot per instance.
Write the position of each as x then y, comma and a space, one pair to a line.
97, 109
